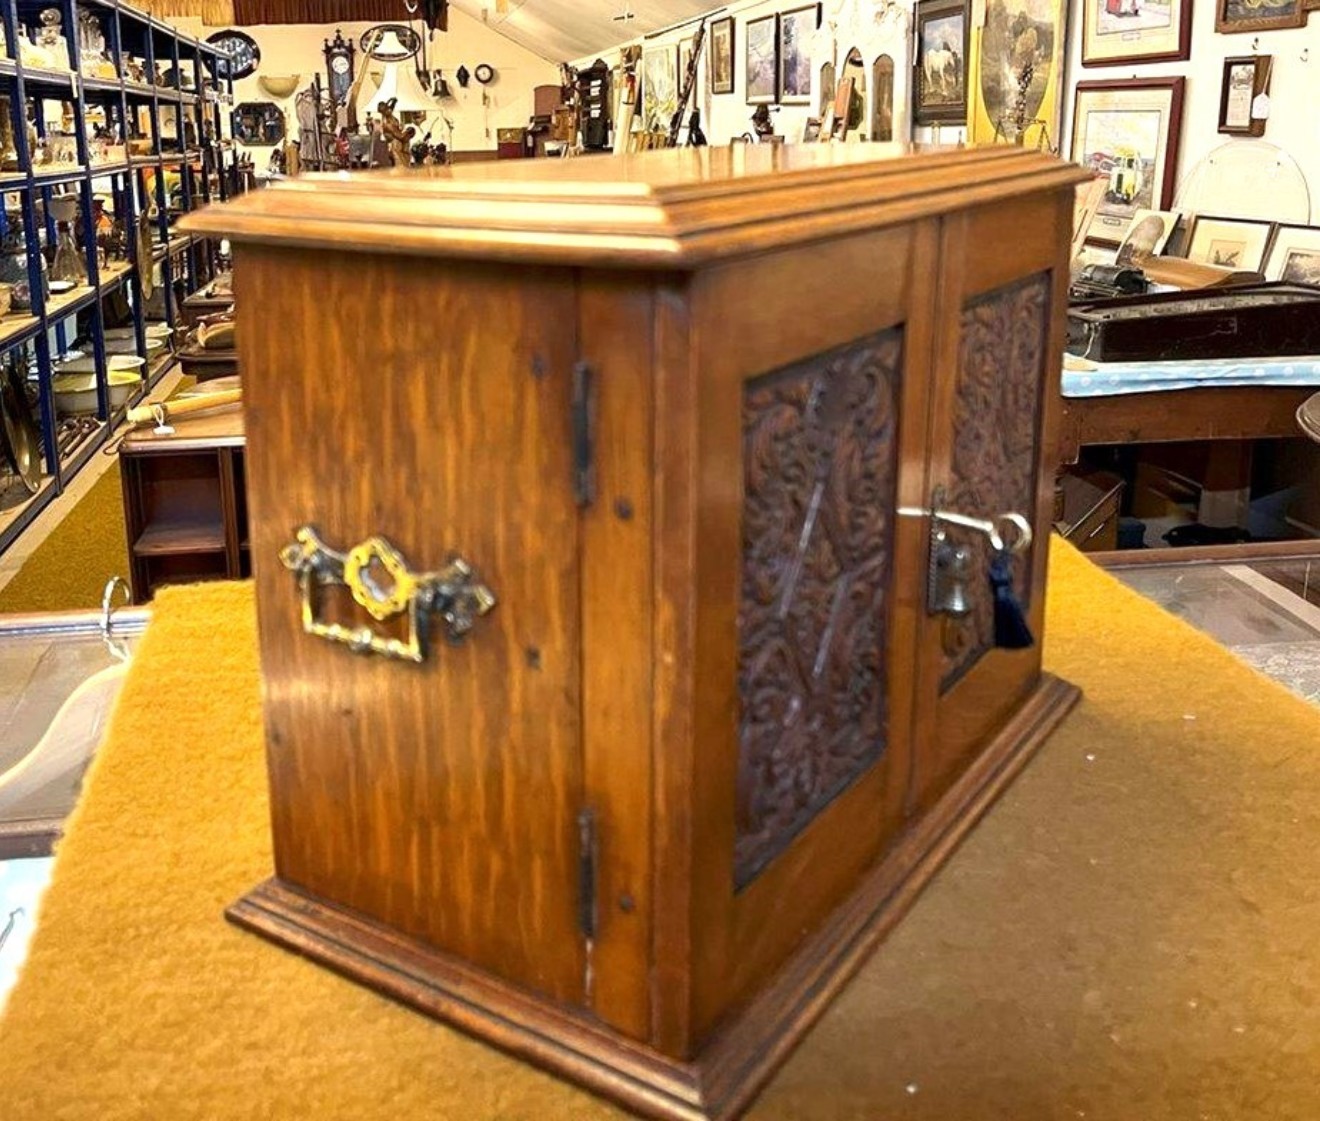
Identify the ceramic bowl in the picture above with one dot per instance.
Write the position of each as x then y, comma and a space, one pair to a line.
75, 393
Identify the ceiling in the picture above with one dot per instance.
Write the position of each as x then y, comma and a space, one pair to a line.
566, 30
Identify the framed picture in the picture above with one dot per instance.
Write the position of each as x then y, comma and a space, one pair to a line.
811, 130
939, 78
1258, 15
1294, 255
1093, 253
1127, 131
1245, 79
1016, 76
795, 31
1231, 243
659, 88
763, 61
1115, 32
721, 56
841, 111
1147, 235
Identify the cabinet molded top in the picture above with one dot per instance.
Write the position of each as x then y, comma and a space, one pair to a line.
678, 208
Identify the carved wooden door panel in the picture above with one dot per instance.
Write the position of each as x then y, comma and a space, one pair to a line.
804, 684
999, 314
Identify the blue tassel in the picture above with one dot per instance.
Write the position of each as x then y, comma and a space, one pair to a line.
1011, 629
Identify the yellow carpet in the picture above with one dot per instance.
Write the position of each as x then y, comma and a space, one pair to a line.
68, 571
1133, 933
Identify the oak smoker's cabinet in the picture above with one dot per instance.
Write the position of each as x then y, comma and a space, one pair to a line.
607, 714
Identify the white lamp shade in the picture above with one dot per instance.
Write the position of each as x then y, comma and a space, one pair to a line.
400, 82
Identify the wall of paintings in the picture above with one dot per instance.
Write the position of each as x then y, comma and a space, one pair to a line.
1224, 70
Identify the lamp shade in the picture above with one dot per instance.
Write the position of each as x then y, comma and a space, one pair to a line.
399, 81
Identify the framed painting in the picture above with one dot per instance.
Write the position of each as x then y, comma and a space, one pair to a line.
796, 29
1233, 16
1015, 78
659, 88
1230, 243
1115, 32
763, 60
721, 56
1127, 132
1245, 79
939, 78
1148, 234
1294, 255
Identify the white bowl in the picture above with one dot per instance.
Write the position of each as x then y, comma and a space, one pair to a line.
75, 394
119, 347
86, 364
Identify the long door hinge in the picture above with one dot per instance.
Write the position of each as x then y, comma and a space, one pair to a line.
587, 873
584, 434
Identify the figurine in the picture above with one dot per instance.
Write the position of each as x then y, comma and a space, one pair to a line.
8, 153
51, 39
396, 136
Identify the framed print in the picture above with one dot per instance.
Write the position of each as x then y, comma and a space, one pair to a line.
1245, 79
1148, 234
939, 79
1094, 253
1127, 132
795, 31
659, 88
763, 61
1115, 32
1258, 15
811, 130
1015, 78
1230, 243
1294, 255
721, 56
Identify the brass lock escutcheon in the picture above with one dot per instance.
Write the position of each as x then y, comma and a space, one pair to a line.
380, 581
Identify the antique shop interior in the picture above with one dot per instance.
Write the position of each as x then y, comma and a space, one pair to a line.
596, 558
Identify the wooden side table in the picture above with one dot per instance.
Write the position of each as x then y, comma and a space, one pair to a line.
185, 503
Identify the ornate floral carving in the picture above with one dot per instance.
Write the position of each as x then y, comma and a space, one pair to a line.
996, 436
820, 464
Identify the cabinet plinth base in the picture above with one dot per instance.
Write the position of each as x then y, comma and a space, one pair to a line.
729, 1071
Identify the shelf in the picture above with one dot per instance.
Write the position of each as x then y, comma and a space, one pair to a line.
140, 89
55, 79
16, 328
18, 508
65, 304
201, 535
102, 169
57, 176
114, 274
102, 85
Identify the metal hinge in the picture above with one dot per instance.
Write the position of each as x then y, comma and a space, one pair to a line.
584, 434
587, 873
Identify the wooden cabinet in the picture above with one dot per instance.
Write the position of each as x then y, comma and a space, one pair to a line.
185, 503
685, 415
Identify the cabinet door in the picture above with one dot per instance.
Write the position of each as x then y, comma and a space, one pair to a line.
1002, 293
810, 409
428, 402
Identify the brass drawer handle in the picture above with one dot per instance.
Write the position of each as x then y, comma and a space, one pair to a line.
381, 582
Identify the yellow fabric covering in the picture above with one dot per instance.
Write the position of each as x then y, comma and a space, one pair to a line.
1133, 933
69, 570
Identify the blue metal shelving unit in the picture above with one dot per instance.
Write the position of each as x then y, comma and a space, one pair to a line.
204, 161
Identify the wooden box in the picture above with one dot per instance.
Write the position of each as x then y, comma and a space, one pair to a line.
644, 813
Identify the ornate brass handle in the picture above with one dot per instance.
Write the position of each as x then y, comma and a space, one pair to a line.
381, 582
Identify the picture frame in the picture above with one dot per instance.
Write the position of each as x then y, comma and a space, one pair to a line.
1148, 235
1246, 77
722, 56
796, 28
1119, 32
1127, 130
939, 74
1231, 243
1241, 16
762, 60
811, 130
839, 111
1294, 255
997, 111
659, 87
